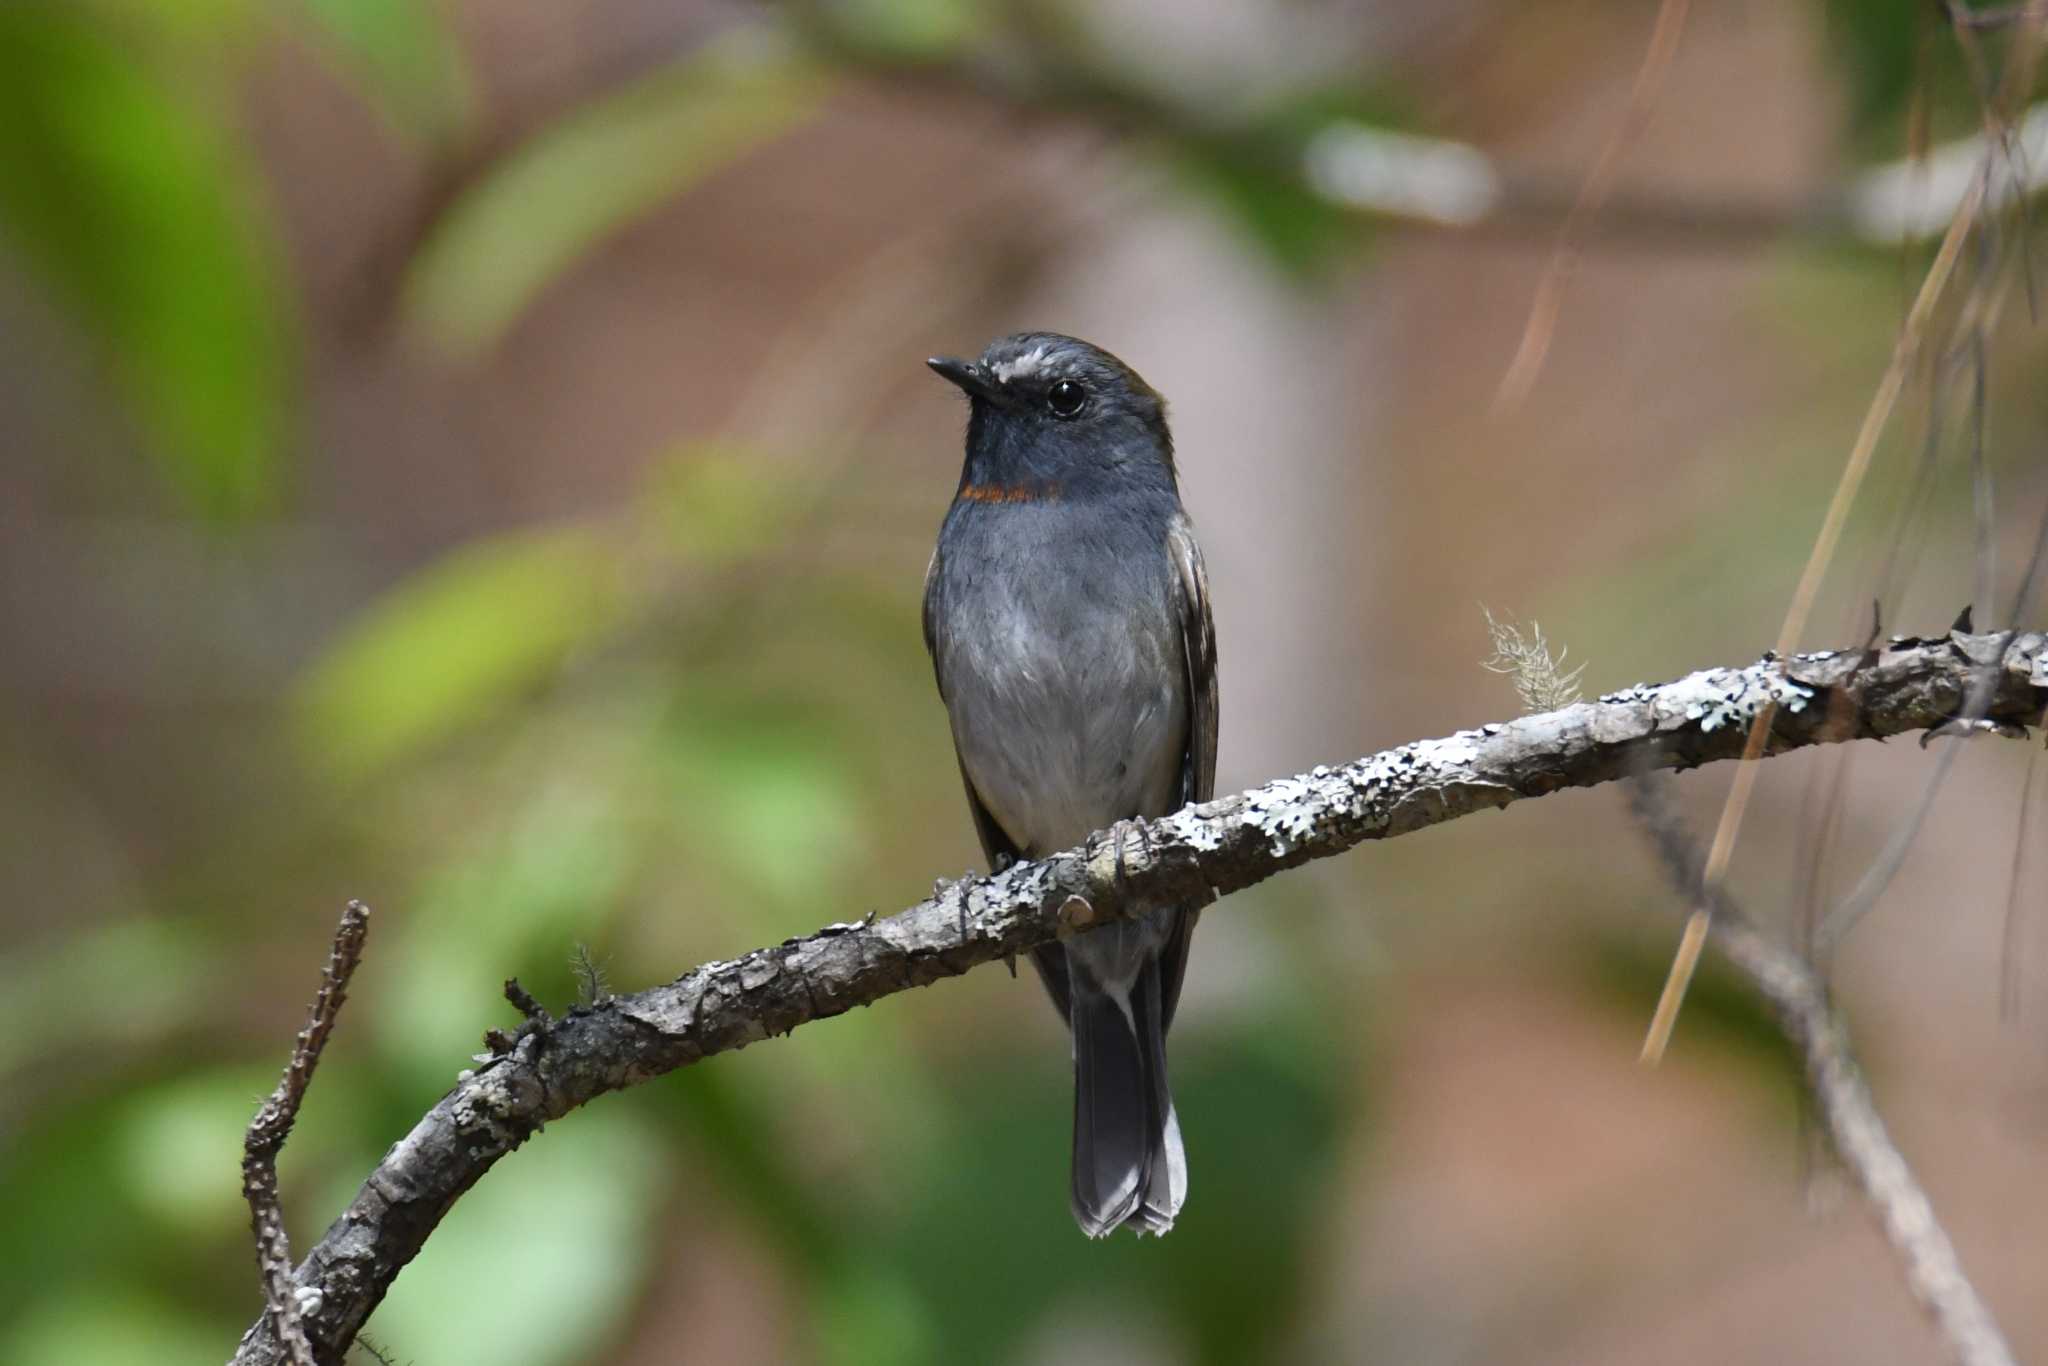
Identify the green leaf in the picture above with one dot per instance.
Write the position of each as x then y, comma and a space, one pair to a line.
59, 992
130, 197
197, 27
109, 1325
587, 176
1875, 40
1262, 1119
1263, 194
540, 1263
717, 504
910, 30
454, 645
776, 809
1722, 1011
869, 1312
513, 903
404, 52
170, 1142
1894, 52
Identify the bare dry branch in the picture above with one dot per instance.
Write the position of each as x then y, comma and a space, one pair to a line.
1799, 997
1541, 325
551, 1068
1998, 16
285, 1301
1911, 338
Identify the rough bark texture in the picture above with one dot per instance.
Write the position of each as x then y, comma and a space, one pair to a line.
554, 1066
273, 1125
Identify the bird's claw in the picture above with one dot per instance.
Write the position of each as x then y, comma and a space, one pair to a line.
1117, 835
1959, 727
942, 885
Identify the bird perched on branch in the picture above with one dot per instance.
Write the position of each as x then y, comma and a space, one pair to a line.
1067, 614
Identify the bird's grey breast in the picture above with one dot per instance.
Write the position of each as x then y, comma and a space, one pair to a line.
1060, 652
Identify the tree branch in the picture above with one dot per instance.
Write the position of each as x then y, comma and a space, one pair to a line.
551, 1067
1799, 998
286, 1303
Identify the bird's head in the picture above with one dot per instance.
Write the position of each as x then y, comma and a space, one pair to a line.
1049, 411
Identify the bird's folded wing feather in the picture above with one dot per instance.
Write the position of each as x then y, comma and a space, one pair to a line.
1198, 763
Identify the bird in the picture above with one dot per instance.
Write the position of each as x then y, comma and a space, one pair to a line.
1066, 611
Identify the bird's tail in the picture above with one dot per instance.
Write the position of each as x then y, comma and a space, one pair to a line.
1129, 1167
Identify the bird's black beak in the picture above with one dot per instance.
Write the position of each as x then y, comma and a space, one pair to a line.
971, 378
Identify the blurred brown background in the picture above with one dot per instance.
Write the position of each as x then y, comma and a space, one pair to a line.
477, 458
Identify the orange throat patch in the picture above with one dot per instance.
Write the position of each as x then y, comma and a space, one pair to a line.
1010, 493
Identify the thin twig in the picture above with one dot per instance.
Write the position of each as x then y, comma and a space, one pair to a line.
522, 1000
1799, 997
1849, 912
1826, 794
2009, 937
1968, 720
286, 1303
2001, 16
1904, 352
1817, 562
1983, 499
1564, 257
1970, 355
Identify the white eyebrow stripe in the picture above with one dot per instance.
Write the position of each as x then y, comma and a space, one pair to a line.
1027, 364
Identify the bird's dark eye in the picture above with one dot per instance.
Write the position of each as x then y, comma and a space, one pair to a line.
1066, 398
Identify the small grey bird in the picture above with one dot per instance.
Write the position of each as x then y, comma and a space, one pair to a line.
1067, 614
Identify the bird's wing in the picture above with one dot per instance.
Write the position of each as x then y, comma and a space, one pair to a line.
1190, 587
931, 641
1002, 851
1198, 650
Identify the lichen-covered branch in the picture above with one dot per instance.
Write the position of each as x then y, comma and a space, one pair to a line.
553, 1066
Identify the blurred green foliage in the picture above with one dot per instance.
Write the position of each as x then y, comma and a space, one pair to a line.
1252, 176
409, 63
1897, 53
453, 645
599, 167
1297, 229
122, 178
1883, 40
912, 30
543, 733
583, 1210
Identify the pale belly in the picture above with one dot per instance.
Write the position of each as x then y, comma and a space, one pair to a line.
1065, 728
